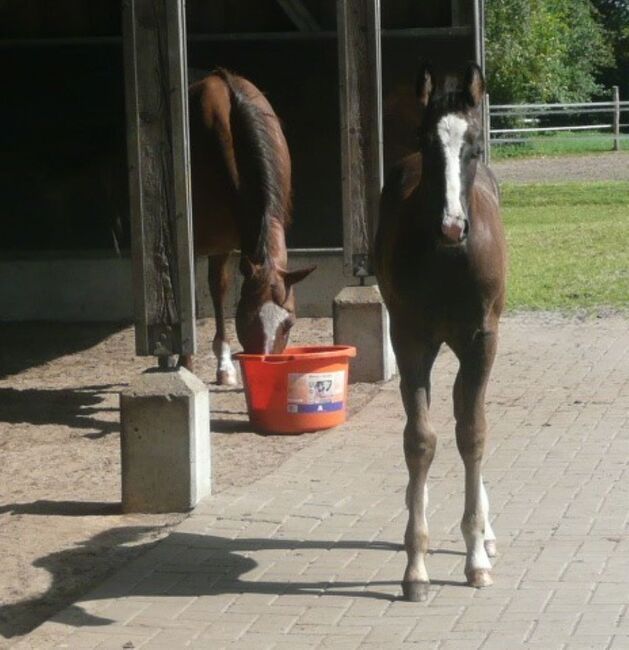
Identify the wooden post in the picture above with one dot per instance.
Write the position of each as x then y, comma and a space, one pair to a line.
154, 35
360, 81
616, 120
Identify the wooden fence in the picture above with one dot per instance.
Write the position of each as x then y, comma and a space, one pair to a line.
523, 121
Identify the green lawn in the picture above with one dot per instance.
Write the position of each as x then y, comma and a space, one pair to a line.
558, 144
568, 245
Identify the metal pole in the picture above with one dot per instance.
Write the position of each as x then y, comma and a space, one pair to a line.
487, 130
616, 120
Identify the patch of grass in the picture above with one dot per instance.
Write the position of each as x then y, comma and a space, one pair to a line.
568, 245
558, 144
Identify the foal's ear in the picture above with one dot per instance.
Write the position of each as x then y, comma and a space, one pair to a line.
474, 84
424, 84
293, 277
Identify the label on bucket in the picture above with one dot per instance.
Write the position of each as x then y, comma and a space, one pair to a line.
316, 392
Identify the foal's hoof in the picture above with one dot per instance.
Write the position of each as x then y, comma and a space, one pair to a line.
490, 547
226, 378
478, 578
415, 592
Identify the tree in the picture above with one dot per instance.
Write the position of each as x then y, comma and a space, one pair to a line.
544, 50
614, 16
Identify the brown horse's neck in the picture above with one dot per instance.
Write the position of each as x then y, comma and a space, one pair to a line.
263, 168
270, 248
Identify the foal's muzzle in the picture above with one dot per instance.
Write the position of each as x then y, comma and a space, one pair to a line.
455, 229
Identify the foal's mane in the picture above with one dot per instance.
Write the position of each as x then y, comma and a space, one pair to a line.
259, 169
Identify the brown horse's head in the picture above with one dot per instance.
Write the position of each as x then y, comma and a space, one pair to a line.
266, 310
450, 141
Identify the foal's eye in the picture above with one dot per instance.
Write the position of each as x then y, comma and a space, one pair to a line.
477, 151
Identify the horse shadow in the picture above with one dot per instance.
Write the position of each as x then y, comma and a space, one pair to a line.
187, 565
77, 408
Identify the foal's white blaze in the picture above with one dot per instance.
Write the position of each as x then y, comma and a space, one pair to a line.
451, 129
272, 317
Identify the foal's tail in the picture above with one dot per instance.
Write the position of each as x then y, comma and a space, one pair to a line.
261, 169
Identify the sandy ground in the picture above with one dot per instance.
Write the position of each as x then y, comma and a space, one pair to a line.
613, 166
61, 529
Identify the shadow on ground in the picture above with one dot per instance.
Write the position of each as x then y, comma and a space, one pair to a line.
75, 408
26, 345
206, 565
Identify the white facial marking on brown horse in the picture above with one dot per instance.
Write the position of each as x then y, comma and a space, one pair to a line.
272, 317
451, 129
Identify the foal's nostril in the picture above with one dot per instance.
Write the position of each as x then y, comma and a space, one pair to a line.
466, 229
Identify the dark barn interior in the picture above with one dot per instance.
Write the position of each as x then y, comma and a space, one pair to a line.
63, 166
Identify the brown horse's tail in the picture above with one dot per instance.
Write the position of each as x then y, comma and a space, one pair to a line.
261, 185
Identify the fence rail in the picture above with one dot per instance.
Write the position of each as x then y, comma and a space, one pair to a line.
521, 121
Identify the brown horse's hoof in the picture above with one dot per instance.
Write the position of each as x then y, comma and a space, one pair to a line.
478, 578
415, 592
490, 547
226, 378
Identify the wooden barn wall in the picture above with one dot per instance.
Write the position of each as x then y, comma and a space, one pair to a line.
63, 163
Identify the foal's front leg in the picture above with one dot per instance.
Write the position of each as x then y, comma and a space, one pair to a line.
419, 449
218, 279
476, 357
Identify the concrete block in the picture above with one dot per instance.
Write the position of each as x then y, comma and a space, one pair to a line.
361, 319
165, 442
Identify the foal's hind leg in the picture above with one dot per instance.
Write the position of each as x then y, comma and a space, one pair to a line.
218, 279
419, 449
476, 357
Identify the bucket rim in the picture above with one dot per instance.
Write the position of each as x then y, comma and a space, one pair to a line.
302, 353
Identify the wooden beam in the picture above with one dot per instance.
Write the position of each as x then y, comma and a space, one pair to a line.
360, 81
300, 15
154, 38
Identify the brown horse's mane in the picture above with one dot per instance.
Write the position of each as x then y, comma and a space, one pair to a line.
259, 168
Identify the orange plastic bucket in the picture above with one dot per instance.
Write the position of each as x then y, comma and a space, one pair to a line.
302, 389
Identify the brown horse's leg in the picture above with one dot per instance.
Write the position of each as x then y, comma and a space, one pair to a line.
476, 356
218, 278
415, 363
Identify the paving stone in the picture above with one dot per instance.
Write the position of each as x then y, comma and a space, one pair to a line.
311, 555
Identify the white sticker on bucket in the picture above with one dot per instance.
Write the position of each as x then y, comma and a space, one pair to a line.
316, 392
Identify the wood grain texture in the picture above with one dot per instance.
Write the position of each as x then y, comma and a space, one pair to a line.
159, 176
360, 81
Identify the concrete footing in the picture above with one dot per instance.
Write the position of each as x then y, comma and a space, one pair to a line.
361, 319
165, 442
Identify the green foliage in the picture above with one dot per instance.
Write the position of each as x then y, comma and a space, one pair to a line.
614, 16
567, 245
544, 50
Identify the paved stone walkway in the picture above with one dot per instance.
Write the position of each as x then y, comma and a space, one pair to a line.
310, 556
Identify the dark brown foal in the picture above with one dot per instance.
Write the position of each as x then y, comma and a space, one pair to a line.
241, 199
440, 263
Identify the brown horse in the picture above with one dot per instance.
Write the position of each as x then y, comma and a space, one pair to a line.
440, 263
241, 199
